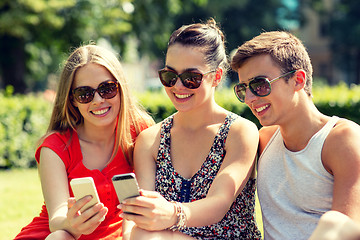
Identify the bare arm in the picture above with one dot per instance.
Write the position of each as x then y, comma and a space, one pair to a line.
241, 147
64, 216
334, 225
144, 164
145, 152
341, 157
55, 189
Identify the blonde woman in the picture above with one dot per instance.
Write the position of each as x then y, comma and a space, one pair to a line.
91, 134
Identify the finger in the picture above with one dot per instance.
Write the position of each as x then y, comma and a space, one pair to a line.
92, 211
138, 219
90, 219
82, 202
142, 201
133, 209
94, 221
75, 206
141, 221
71, 202
150, 194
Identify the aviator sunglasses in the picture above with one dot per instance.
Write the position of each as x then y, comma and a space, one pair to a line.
85, 94
259, 86
189, 79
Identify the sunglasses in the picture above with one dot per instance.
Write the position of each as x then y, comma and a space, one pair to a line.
259, 86
107, 89
189, 79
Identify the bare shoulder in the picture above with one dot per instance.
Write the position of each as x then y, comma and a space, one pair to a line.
265, 134
146, 147
346, 125
342, 143
345, 131
149, 136
243, 127
244, 133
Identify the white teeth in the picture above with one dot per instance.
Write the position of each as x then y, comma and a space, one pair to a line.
99, 112
261, 108
182, 96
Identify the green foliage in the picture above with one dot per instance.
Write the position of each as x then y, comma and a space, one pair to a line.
24, 118
157, 104
240, 20
36, 34
341, 101
341, 24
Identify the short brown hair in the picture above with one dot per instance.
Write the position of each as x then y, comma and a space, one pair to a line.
286, 50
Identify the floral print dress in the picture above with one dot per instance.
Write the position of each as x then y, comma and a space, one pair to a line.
239, 221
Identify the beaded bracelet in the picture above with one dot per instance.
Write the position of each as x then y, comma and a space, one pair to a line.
181, 217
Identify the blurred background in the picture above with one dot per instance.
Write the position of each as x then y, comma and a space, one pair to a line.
36, 35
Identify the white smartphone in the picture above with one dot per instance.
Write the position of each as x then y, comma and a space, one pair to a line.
82, 187
126, 186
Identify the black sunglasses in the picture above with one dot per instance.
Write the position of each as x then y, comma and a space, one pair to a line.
259, 86
189, 79
85, 94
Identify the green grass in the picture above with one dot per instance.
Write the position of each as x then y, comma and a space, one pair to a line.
21, 201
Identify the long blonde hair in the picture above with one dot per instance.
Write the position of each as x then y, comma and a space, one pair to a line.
66, 116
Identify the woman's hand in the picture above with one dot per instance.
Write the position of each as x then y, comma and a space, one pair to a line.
150, 211
60, 235
84, 223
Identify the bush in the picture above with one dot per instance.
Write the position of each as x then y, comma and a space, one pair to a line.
24, 118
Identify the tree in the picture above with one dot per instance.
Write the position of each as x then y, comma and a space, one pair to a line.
344, 29
154, 20
35, 34
240, 20
21, 22
341, 23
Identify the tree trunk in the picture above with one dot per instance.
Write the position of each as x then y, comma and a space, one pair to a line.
12, 63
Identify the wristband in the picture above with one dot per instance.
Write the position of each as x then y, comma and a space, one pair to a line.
181, 217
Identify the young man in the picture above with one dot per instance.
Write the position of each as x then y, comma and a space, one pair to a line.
309, 163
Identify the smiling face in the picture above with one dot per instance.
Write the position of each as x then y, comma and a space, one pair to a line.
276, 107
99, 112
180, 58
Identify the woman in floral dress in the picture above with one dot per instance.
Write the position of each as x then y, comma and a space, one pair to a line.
196, 166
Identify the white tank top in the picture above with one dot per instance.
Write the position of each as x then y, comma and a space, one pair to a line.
294, 188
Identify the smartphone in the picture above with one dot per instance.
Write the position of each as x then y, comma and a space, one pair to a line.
82, 187
126, 186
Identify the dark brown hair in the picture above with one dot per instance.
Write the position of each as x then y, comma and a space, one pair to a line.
208, 38
286, 50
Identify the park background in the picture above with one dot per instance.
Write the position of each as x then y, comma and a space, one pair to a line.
37, 35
